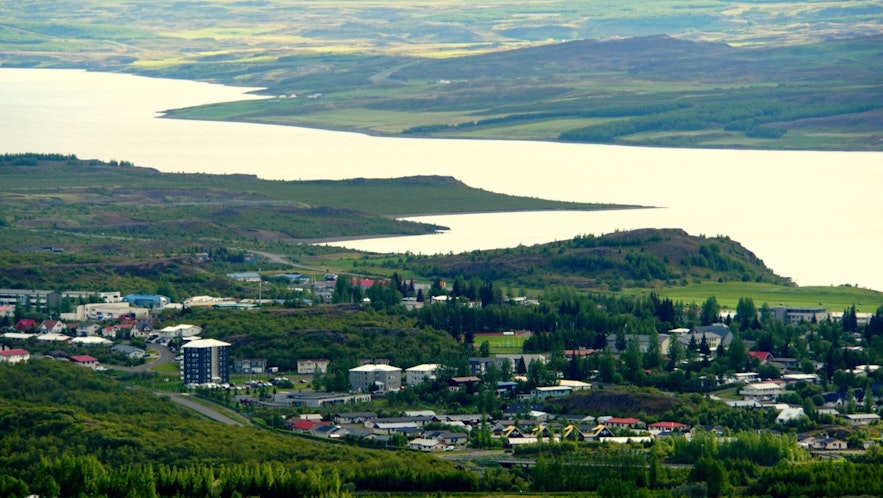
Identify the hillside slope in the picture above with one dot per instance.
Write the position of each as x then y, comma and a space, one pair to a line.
637, 258
68, 431
110, 207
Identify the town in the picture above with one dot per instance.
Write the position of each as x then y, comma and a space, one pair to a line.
504, 400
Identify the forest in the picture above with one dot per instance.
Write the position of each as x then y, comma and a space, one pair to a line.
72, 432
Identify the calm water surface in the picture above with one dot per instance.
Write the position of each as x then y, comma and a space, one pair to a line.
813, 216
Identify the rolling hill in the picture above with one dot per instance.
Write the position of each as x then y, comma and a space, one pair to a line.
638, 258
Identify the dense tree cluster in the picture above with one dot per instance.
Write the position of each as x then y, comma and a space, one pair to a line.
70, 432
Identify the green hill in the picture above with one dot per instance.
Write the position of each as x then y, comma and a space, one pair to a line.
114, 208
638, 258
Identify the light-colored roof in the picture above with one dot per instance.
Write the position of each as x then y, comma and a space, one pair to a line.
175, 328
373, 367
205, 343
425, 442
424, 367
574, 383
763, 386
17, 335
790, 413
53, 337
862, 416
91, 340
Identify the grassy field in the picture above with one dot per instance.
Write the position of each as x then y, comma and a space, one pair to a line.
729, 293
503, 344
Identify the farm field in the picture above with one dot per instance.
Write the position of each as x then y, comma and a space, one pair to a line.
759, 75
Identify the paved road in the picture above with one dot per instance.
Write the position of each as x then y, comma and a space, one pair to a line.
165, 356
187, 401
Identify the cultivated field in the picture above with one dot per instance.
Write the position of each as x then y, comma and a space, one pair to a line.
756, 74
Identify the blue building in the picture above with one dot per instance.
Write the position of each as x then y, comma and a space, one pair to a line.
206, 361
147, 300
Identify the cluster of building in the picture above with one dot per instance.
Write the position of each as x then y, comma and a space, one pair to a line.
421, 428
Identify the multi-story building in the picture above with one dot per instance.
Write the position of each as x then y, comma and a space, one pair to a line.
375, 378
310, 366
797, 314
206, 361
39, 299
147, 300
420, 373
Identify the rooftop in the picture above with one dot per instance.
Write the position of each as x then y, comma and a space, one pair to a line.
373, 367
205, 343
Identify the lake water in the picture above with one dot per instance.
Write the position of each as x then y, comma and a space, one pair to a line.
812, 216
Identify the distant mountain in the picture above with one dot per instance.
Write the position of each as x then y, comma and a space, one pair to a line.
640, 258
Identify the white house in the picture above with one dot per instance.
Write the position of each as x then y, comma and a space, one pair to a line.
84, 361
862, 418
129, 351
53, 337
426, 445
788, 414
85, 329
14, 356
575, 385
763, 391
91, 341
545, 392
52, 327
106, 311
309, 366
181, 330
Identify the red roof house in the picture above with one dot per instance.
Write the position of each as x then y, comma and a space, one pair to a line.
26, 324
85, 360
763, 356
667, 427
14, 355
303, 425
624, 423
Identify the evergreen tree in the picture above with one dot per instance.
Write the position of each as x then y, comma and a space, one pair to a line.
653, 357
484, 350
746, 313
620, 340
850, 320
737, 354
710, 311
675, 353
766, 315
607, 367
632, 362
